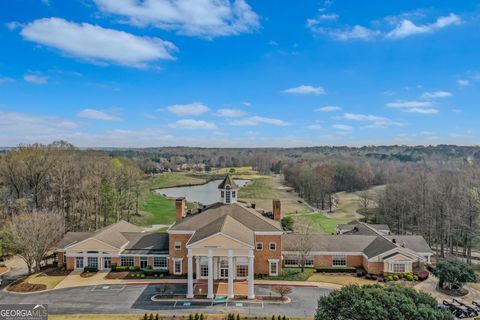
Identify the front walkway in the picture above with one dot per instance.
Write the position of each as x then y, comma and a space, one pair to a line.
430, 286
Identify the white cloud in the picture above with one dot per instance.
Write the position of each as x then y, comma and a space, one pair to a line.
422, 110
230, 113
190, 124
315, 126
191, 109
407, 28
321, 18
355, 33
203, 18
342, 127
400, 104
35, 78
463, 83
6, 80
257, 120
436, 95
328, 109
304, 89
98, 115
457, 110
12, 25
93, 42
247, 104
362, 117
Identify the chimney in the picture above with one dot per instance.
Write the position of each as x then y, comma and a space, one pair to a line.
180, 206
277, 210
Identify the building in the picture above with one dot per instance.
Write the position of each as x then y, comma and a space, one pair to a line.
231, 242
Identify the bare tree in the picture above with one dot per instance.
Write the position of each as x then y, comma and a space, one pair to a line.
304, 243
283, 291
33, 235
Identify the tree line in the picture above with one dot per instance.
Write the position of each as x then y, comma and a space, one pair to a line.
440, 203
88, 188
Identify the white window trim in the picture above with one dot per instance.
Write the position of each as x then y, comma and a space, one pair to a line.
159, 268
175, 260
339, 255
256, 246
270, 244
270, 261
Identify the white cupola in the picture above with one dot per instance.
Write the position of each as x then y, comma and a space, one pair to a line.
228, 190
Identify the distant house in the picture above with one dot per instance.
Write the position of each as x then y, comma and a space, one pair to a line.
229, 242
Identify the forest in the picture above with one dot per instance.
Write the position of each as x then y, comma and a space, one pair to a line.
431, 191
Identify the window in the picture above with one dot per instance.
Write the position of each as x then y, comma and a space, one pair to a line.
177, 267
64, 259
233, 194
222, 193
273, 268
78, 262
259, 246
160, 262
204, 270
309, 262
273, 246
126, 261
339, 261
178, 245
291, 261
242, 270
92, 262
398, 267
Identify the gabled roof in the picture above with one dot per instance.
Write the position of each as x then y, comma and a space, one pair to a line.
228, 226
378, 246
248, 217
111, 235
228, 180
146, 243
361, 228
415, 243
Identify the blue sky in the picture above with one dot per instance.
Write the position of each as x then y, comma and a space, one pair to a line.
228, 73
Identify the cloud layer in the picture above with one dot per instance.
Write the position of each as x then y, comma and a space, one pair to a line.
92, 42
203, 18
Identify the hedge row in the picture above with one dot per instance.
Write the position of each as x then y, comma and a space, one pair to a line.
338, 270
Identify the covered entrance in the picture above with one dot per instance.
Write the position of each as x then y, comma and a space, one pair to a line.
223, 267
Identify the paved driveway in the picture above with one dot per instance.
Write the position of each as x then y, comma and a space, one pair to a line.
137, 299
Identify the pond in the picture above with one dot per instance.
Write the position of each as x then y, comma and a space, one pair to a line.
206, 194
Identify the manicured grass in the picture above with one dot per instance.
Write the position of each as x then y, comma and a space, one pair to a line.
96, 317
320, 222
291, 274
339, 279
50, 281
172, 179
156, 209
236, 171
261, 188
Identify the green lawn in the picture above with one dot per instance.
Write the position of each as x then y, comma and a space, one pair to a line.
260, 188
291, 274
173, 179
156, 209
320, 222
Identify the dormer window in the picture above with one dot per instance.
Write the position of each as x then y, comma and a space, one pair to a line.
228, 190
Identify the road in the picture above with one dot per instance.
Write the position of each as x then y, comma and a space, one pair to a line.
136, 299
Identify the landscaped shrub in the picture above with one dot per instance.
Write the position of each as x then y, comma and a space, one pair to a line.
395, 277
409, 277
390, 278
90, 269
423, 275
360, 272
338, 270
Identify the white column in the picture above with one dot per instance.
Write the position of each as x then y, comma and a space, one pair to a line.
197, 265
190, 275
230, 274
251, 292
210, 275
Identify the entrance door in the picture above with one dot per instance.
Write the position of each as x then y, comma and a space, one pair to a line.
79, 262
107, 262
223, 269
143, 262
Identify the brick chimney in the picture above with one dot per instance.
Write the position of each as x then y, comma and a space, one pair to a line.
277, 210
180, 208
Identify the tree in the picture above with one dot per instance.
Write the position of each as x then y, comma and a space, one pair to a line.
283, 291
304, 243
453, 274
32, 235
287, 223
375, 302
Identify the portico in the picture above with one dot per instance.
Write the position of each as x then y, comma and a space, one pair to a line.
223, 262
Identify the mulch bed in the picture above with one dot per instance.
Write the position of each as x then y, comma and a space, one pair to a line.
87, 274
26, 287
453, 293
56, 272
117, 275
